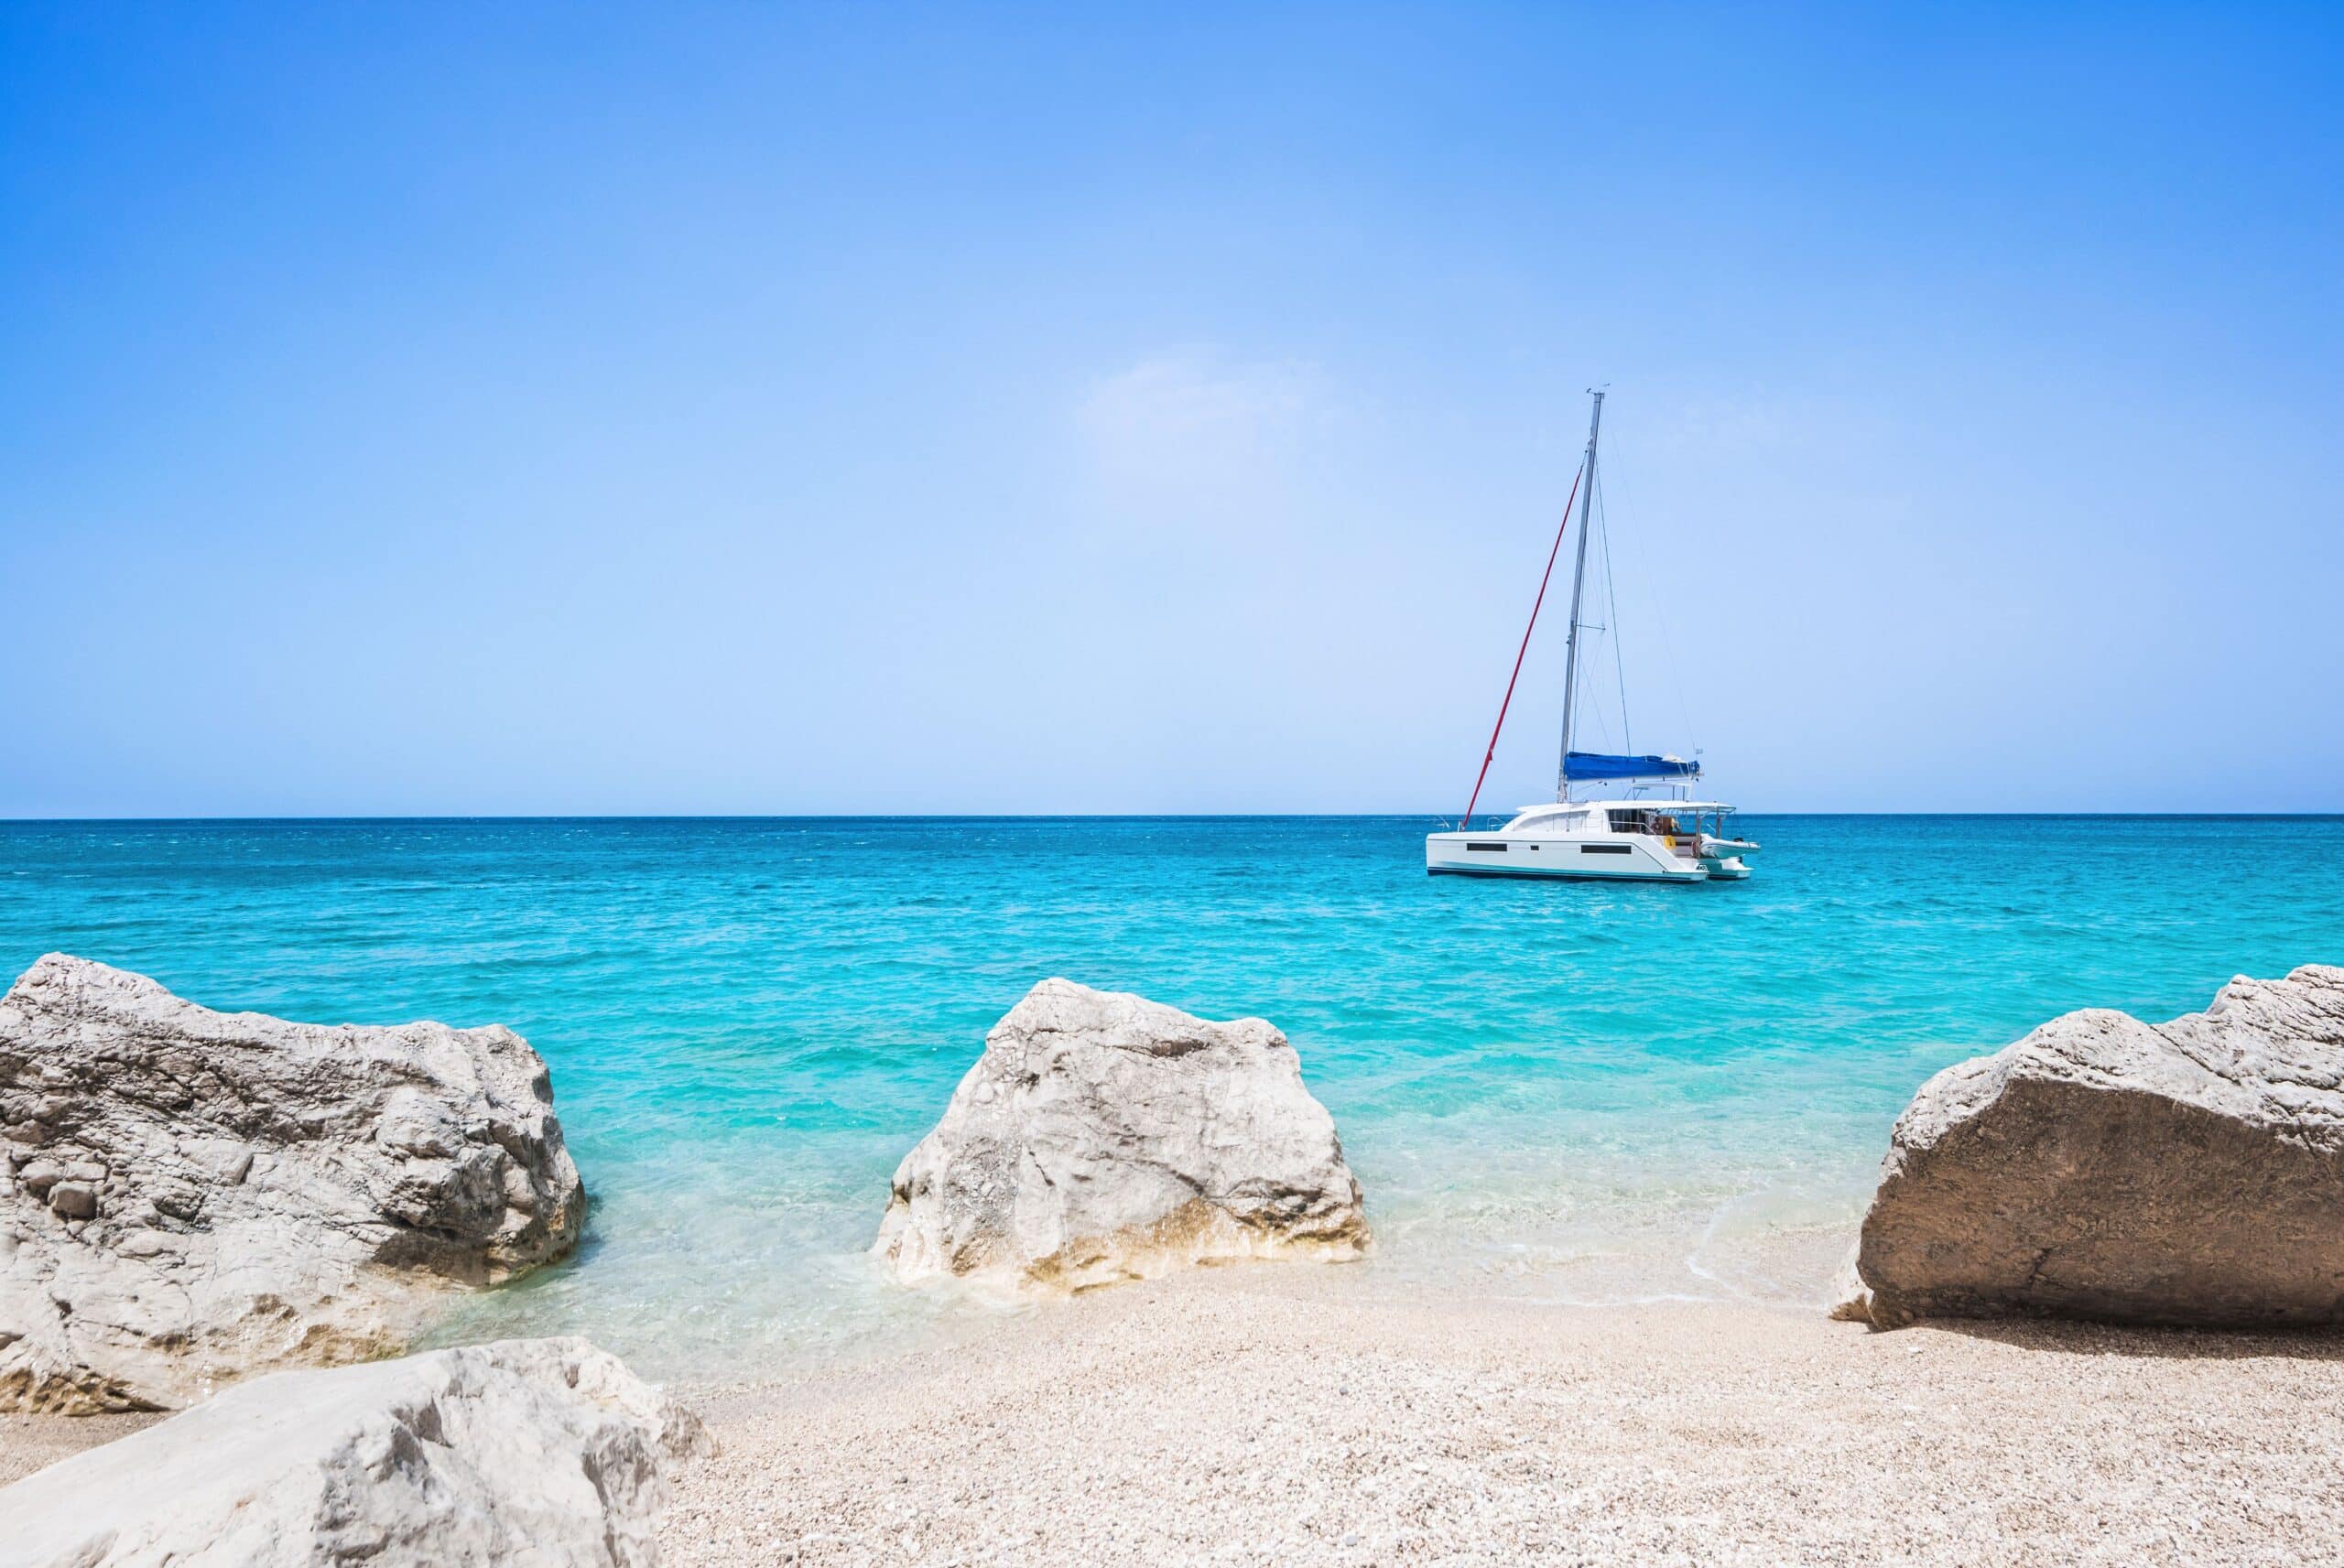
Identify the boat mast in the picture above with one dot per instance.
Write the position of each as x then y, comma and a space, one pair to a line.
1579, 583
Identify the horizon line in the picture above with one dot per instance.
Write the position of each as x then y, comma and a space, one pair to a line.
320, 818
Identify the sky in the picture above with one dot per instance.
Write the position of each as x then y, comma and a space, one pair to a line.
417, 410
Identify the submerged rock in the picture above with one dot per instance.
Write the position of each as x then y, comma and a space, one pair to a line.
188, 1198
1104, 1136
525, 1451
2183, 1172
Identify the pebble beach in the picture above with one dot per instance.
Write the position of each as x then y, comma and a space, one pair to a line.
1264, 1415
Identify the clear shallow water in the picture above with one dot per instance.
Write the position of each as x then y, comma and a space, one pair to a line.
1568, 1090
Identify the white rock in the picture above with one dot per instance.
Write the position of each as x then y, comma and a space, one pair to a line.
546, 1451
188, 1198
2183, 1172
1103, 1137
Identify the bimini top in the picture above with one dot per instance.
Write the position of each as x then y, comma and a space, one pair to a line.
1596, 765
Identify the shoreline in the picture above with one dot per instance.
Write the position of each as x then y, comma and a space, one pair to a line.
1785, 1275
1285, 1413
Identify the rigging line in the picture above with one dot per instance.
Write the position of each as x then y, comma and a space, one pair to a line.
1659, 610
1466, 819
1611, 596
1599, 539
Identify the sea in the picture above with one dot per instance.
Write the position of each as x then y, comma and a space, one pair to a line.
1568, 1093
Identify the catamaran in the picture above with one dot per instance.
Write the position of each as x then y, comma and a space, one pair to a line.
1635, 836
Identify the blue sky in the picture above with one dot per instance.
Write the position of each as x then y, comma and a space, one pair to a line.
412, 409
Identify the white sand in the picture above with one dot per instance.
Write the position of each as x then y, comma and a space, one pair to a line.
1272, 1414
1306, 1415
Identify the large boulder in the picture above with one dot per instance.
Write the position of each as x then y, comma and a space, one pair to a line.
526, 1451
1103, 1137
188, 1198
2183, 1172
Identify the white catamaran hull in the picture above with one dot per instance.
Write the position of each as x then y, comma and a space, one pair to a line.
1634, 857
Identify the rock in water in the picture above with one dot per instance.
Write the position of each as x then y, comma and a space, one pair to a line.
2183, 1172
527, 1451
188, 1198
1104, 1136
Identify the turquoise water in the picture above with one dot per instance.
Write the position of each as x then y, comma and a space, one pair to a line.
1565, 1090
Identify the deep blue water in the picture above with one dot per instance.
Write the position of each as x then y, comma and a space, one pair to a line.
1570, 1090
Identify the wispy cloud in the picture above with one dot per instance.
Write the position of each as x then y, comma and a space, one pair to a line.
1199, 419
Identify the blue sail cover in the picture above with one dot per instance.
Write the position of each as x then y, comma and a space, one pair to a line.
1596, 765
